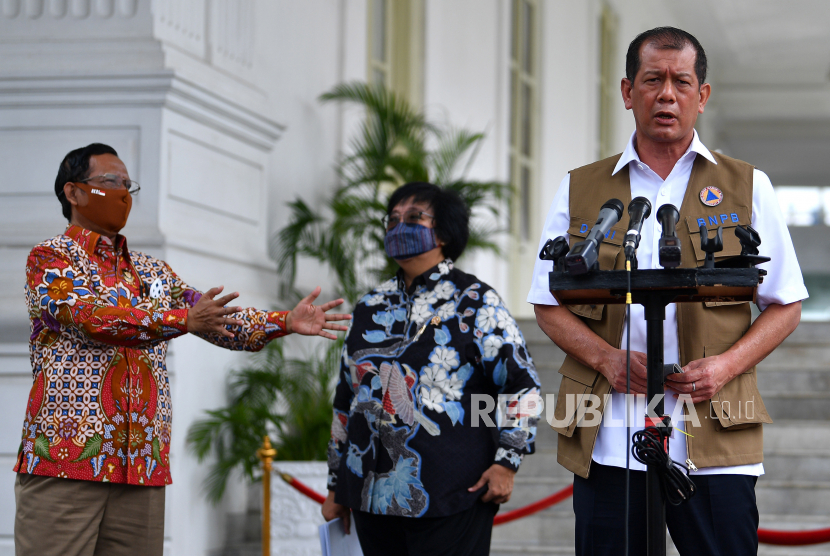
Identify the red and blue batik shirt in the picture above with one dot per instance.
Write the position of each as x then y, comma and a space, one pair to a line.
101, 318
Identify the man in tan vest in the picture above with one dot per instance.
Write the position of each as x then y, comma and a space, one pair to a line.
715, 405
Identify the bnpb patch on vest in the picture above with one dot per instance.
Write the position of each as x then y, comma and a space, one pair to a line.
718, 219
711, 196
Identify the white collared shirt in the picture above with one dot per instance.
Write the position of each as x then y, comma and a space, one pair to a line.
783, 285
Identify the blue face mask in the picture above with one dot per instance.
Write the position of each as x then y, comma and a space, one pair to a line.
405, 241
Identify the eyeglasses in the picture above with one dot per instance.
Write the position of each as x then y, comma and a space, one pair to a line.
411, 217
111, 181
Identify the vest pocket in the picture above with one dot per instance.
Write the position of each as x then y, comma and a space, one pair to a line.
731, 243
593, 312
577, 383
739, 404
609, 250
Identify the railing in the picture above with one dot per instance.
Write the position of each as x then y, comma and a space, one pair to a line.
266, 454
766, 536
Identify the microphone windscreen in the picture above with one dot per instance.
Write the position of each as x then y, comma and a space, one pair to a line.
616, 205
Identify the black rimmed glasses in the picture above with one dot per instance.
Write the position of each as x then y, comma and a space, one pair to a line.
411, 217
112, 181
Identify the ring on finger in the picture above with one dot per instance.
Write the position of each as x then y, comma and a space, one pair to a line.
694, 388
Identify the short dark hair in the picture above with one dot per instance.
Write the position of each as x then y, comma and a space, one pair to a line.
665, 38
75, 167
450, 212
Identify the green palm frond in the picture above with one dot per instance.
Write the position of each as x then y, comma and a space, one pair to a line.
290, 398
389, 107
450, 151
303, 234
389, 149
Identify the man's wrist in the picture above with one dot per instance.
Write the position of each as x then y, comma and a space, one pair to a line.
602, 359
730, 365
289, 319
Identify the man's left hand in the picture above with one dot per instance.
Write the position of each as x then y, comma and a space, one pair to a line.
311, 320
499, 482
702, 378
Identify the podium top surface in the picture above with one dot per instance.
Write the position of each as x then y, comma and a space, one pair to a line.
606, 287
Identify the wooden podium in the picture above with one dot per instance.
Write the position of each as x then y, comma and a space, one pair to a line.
654, 290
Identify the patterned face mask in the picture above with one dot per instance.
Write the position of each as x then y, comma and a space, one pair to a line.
405, 241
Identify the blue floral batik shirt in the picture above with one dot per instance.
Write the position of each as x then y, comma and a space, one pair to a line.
436, 385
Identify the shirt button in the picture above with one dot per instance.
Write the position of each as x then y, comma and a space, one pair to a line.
640, 166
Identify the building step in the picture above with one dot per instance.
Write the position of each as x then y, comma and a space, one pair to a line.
794, 493
814, 406
796, 467
798, 435
789, 356
810, 333
803, 498
794, 522
553, 527
243, 549
793, 380
523, 550
543, 464
547, 357
815, 550
517, 548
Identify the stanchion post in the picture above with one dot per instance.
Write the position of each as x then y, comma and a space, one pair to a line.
266, 454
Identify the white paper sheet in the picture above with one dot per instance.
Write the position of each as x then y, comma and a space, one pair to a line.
334, 542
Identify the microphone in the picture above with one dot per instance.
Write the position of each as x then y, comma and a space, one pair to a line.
638, 210
555, 250
583, 255
668, 248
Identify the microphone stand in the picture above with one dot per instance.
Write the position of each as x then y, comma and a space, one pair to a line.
735, 278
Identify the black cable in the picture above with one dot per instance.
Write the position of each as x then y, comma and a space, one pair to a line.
627, 396
649, 449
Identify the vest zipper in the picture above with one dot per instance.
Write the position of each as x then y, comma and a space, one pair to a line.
689, 463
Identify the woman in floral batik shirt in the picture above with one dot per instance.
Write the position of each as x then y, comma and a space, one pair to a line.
419, 452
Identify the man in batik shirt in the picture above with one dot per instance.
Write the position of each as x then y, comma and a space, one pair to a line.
99, 409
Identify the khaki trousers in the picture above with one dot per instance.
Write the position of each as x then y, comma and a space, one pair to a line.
65, 517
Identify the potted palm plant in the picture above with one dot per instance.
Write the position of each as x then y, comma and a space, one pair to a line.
290, 399
394, 145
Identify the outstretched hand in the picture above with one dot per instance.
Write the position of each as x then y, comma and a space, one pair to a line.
499, 482
311, 320
210, 316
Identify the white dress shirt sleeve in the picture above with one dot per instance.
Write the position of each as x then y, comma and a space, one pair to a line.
556, 224
783, 284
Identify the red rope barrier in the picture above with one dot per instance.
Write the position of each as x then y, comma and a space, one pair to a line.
765, 536
537, 506
794, 538
308, 491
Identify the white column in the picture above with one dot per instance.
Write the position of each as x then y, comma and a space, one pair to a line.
168, 84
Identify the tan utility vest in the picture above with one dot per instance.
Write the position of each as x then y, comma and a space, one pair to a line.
730, 431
